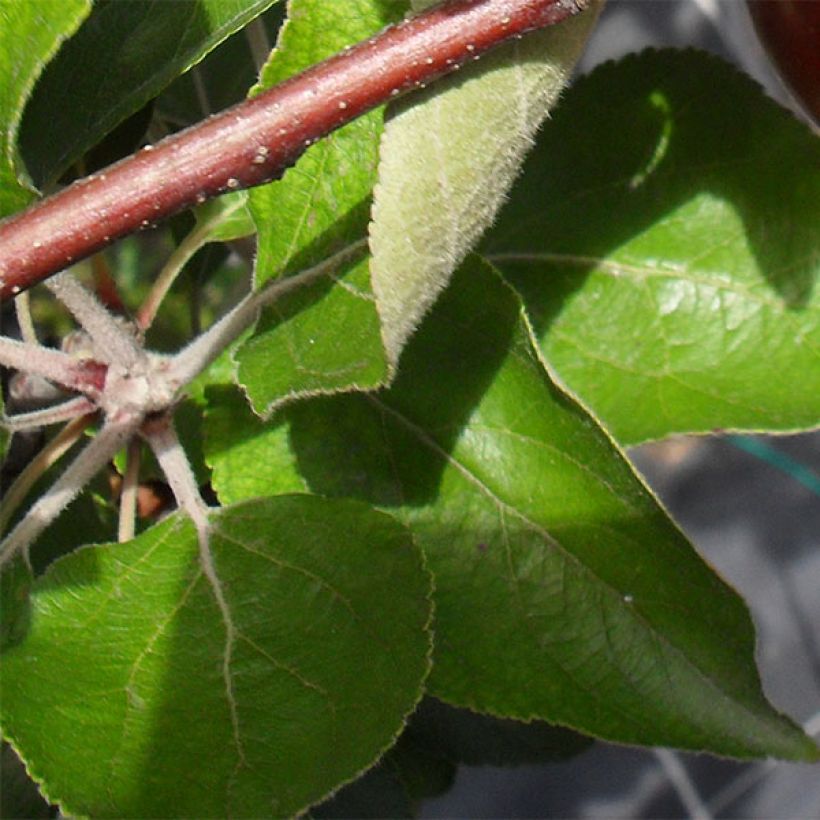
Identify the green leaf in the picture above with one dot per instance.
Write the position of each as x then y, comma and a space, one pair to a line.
665, 237
15, 607
327, 338
563, 591
224, 219
143, 689
404, 776
123, 56
448, 158
18, 793
322, 338
222, 78
30, 34
465, 737
379, 793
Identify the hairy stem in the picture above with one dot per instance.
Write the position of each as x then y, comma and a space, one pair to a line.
111, 340
256, 140
191, 361
126, 524
22, 307
163, 440
88, 463
83, 375
67, 410
50, 454
186, 249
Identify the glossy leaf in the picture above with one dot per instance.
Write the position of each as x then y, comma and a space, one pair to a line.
331, 339
142, 689
30, 35
563, 591
123, 56
665, 236
448, 158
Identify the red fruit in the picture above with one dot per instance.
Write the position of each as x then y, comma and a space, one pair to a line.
790, 31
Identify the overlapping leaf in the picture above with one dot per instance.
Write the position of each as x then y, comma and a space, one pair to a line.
123, 56
30, 34
562, 590
665, 236
447, 161
141, 689
327, 338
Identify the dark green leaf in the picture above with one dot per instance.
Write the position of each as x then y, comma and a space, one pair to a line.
466, 737
665, 236
30, 34
161, 678
124, 54
563, 591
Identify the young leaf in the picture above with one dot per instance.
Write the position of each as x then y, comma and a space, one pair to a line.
330, 339
30, 34
665, 237
563, 591
124, 55
134, 694
447, 161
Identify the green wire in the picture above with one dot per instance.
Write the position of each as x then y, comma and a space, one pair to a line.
779, 460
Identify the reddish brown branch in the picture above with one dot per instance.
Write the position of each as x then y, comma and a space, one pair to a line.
256, 140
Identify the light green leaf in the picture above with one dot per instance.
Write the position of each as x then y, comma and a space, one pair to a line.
665, 237
224, 219
319, 339
563, 591
143, 689
123, 56
30, 34
320, 206
448, 158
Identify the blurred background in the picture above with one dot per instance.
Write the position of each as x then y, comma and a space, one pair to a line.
750, 505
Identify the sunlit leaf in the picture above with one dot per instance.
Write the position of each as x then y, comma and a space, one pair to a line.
448, 158
665, 236
144, 689
563, 591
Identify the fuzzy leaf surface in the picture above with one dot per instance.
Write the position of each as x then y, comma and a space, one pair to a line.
30, 34
671, 268
448, 158
135, 694
332, 340
123, 56
563, 591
